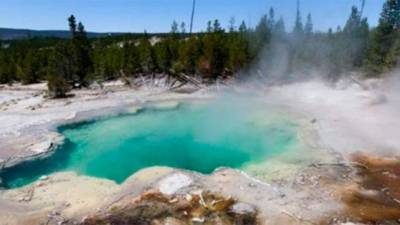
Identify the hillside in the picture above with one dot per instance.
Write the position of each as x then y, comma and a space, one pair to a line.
12, 34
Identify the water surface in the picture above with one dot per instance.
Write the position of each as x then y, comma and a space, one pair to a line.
193, 137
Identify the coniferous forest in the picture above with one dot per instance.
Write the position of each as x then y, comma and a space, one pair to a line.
268, 49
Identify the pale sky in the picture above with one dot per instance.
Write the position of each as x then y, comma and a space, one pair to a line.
157, 15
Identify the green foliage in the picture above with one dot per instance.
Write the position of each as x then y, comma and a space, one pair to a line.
189, 54
267, 47
262, 32
71, 59
355, 38
298, 26
131, 58
147, 56
109, 61
213, 57
57, 86
72, 25
58, 71
28, 68
81, 55
308, 28
238, 48
382, 51
393, 58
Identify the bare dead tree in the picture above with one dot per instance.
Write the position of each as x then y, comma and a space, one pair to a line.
192, 17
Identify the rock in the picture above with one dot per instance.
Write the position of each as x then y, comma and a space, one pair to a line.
315, 180
350, 223
188, 197
173, 221
43, 178
300, 179
198, 220
95, 85
156, 222
134, 109
204, 207
171, 184
378, 99
175, 200
167, 105
84, 219
243, 209
252, 185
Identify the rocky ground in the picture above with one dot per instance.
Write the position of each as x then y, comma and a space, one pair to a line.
348, 174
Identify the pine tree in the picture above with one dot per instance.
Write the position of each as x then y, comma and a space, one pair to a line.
58, 87
6, 69
131, 59
183, 28
213, 60
83, 61
167, 52
174, 28
78, 59
298, 49
189, 55
209, 27
76, 55
271, 18
393, 58
58, 71
298, 26
354, 39
243, 27
380, 52
238, 49
280, 29
232, 27
70, 61
112, 61
391, 14
28, 69
308, 28
72, 26
163, 56
147, 56
217, 26
219, 53
263, 31
353, 23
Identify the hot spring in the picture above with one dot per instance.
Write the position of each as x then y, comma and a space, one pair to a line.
197, 137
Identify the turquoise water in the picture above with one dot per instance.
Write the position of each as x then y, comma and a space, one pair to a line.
194, 137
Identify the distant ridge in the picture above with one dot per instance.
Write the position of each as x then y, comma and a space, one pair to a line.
15, 34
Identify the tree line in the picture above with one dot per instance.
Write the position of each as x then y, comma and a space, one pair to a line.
267, 50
